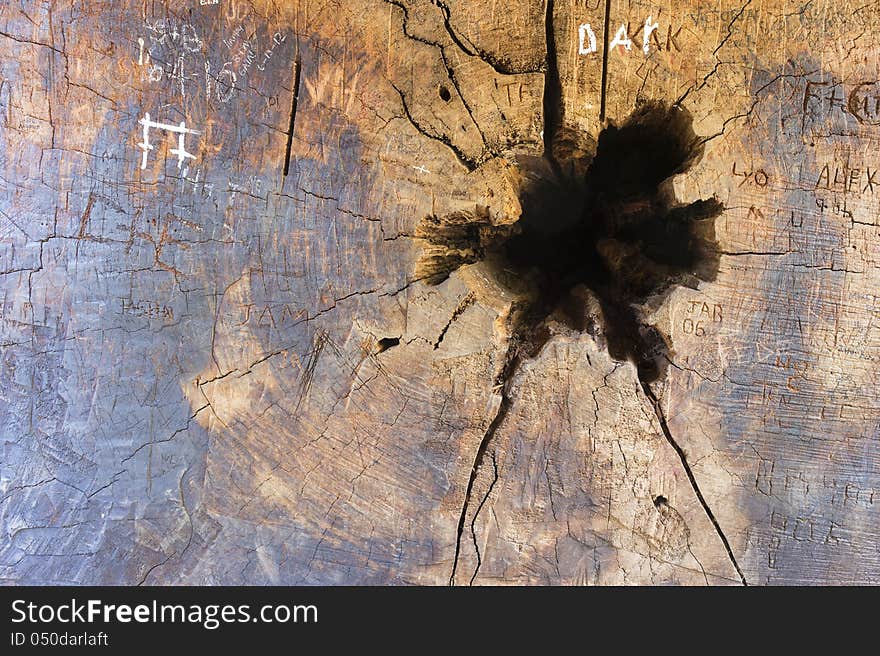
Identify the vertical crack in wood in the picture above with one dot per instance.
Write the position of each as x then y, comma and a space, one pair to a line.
690, 474
604, 82
477, 514
552, 89
450, 71
503, 381
293, 101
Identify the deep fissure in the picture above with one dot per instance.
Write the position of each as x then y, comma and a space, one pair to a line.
664, 427
294, 98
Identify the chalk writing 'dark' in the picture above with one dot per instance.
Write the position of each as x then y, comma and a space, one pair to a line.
587, 42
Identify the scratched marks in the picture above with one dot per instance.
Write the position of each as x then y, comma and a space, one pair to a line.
308, 373
782, 377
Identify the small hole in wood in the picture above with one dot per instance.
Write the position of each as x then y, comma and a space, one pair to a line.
445, 96
386, 343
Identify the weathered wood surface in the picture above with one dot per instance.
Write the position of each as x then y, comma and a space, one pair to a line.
194, 384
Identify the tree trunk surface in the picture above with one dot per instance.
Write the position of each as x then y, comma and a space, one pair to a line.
226, 358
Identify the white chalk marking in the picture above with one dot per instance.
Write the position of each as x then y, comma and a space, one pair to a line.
649, 27
620, 39
181, 130
586, 32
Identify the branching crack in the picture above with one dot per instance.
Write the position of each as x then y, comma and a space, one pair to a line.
718, 62
690, 474
757, 99
503, 382
470, 49
450, 72
477, 514
468, 162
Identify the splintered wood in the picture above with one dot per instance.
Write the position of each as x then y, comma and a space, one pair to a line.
222, 364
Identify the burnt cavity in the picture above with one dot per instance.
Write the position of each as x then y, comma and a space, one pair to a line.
601, 239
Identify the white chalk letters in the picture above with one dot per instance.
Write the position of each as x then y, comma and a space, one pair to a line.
181, 130
649, 31
620, 39
585, 32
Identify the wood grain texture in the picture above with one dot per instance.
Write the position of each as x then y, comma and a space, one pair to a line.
220, 365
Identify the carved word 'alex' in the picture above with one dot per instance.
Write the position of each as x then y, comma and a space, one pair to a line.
181, 130
587, 38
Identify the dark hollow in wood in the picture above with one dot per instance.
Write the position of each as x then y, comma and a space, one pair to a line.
616, 230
